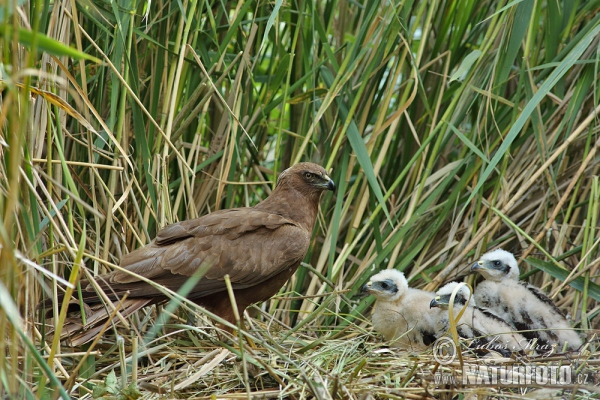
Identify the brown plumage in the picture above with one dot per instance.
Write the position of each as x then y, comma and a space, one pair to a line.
259, 247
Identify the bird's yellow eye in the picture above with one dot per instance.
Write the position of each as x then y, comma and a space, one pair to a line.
308, 175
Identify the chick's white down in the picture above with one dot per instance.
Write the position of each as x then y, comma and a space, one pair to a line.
402, 314
522, 305
487, 330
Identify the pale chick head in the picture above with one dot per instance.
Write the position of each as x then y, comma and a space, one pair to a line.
387, 285
443, 295
497, 265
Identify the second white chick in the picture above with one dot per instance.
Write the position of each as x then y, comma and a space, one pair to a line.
487, 330
402, 314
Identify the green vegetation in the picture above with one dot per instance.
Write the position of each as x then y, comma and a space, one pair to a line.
450, 127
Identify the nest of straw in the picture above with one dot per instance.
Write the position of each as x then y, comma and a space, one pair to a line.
269, 360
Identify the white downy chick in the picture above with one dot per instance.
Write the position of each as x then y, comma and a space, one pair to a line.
488, 331
521, 304
402, 314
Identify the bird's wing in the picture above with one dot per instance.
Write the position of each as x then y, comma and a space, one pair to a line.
491, 315
542, 297
247, 244
428, 336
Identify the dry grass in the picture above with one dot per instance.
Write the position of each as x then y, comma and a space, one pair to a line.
193, 362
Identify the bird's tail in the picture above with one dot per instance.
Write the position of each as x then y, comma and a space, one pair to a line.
79, 329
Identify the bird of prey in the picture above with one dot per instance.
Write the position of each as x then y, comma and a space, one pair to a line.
402, 314
488, 331
259, 247
521, 304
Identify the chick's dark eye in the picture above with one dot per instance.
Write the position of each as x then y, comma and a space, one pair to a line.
384, 285
308, 175
497, 263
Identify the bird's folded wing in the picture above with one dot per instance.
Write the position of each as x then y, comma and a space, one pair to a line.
542, 297
248, 245
490, 314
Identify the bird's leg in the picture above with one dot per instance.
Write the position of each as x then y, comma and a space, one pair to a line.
248, 338
237, 333
233, 336
224, 308
191, 319
235, 317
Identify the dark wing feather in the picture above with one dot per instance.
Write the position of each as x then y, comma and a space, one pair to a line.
542, 297
247, 244
491, 315
428, 337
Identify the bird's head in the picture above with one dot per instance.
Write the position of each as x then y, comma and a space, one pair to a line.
297, 194
306, 177
443, 295
497, 265
387, 285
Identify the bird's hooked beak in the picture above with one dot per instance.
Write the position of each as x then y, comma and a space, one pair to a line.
478, 265
329, 184
366, 288
439, 301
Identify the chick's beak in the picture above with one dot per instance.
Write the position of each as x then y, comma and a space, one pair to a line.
478, 265
366, 288
440, 301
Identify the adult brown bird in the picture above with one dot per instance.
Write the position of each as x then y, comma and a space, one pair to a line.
259, 247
